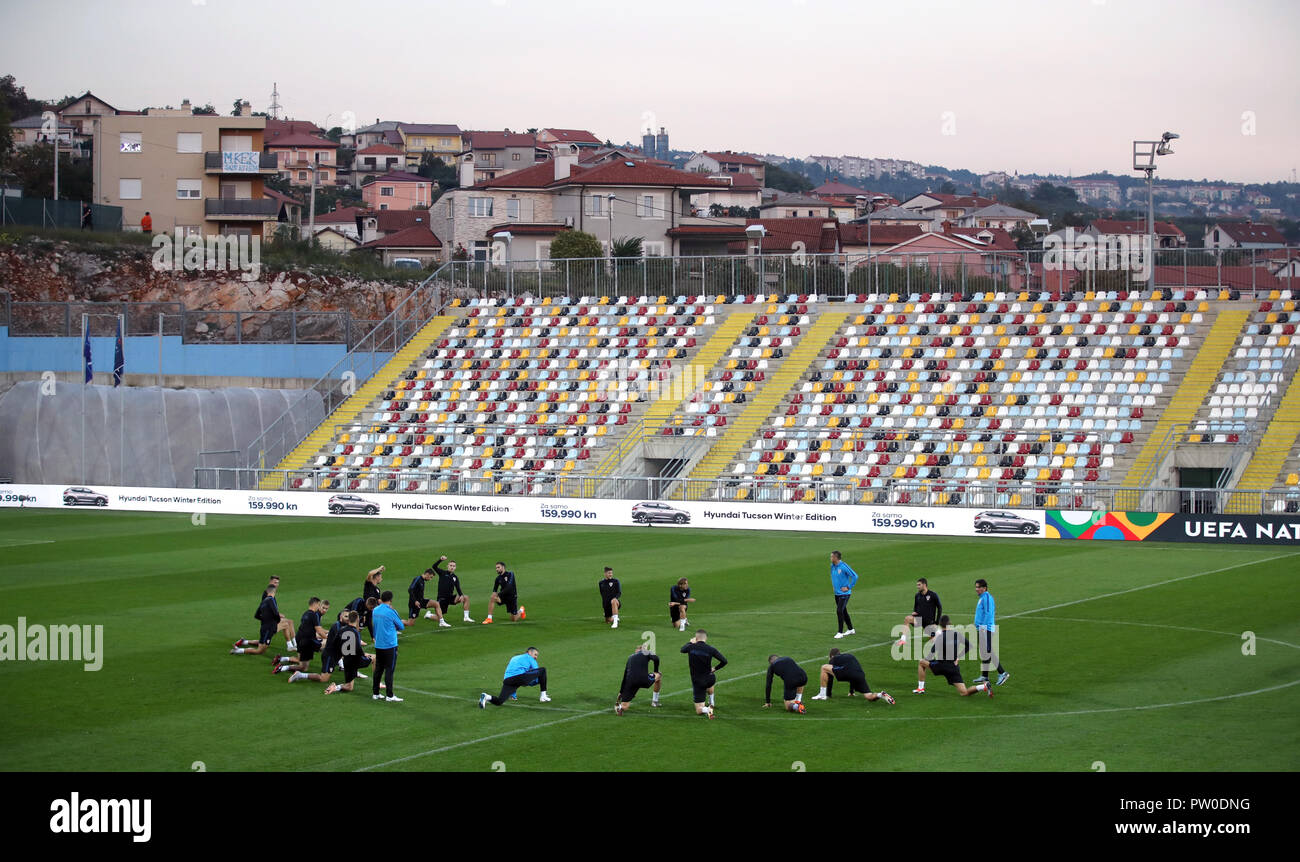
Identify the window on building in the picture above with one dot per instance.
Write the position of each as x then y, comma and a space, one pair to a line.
130, 190
131, 142
596, 205
480, 207
653, 249
451, 209
386, 191
383, 206
512, 208
650, 206
189, 142
514, 157
188, 189
302, 176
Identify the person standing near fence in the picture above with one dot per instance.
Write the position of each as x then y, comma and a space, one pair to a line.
87, 217
146, 223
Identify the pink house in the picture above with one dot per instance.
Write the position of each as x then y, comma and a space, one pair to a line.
398, 190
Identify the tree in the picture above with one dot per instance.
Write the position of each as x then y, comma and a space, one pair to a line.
576, 243
434, 168
787, 181
239, 104
33, 167
206, 111
947, 188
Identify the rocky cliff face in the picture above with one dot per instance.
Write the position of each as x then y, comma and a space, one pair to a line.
59, 272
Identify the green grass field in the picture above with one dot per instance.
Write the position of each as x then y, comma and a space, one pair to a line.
1127, 654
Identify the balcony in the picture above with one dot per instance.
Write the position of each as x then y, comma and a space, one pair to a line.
237, 209
240, 163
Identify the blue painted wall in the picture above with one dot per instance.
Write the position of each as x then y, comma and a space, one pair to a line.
308, 361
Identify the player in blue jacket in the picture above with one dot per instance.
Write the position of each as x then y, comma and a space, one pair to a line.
843, 579
986, 633
522, 670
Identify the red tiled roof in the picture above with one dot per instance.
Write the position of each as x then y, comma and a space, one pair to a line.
574, 136
401, 177
834, 187
392, 221
743, 181
963, 201
413, 237
498, 140
1250, 232
300, 139
618, 172
881, 234
1133, 228
379, 150
345, 215
783, 233
720, 231
530, 228
733, 158
279, 128
1001, 240
430, 128
272, 194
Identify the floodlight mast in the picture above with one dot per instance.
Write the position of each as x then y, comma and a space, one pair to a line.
1144, 159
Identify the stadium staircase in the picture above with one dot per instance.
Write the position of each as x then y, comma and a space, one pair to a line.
351, 407
1265, 469
724, 451
671, 397
1192, 391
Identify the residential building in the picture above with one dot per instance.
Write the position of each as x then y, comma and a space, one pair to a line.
342, 220
1100, 192
1109, 231
741, 190
418, 243
385, 132
1227, 234
441, 140
290, 214
374, 161
201, 174
998, 216
896, 215
299, 154
499, 153
799, 206
726, 162
35, 130
334, 239
398, 190
944, 207
580, 138
610, 200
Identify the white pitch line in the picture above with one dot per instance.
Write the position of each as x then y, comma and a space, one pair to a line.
18, 542
518, 730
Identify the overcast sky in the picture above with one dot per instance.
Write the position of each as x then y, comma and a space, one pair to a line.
1060, 86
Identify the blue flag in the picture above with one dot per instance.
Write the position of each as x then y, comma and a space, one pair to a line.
85, 352
119, 361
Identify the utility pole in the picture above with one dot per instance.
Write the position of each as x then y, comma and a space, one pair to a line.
311, 218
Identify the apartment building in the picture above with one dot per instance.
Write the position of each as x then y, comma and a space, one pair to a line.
201, 174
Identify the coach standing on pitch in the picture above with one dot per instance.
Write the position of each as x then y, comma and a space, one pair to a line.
985, 630
388, 623
842, 580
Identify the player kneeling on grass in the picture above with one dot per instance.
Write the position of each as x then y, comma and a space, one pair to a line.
699, 657
845, 668
350, 653
268, 614
449, 591
636, 676
505, 591
792, 676
521, 671
415, 600
947, 648
311, 637
679, 598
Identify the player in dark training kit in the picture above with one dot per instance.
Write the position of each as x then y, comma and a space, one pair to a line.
679, 598
449, 591
349, 650
845, 668
611, 597
699, 657
945, 650
793, 677
415, 600
926, 610
268, 614
505, 591
329, 654
636, 676
310, 638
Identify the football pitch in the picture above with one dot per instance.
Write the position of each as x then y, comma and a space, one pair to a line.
1132, 655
